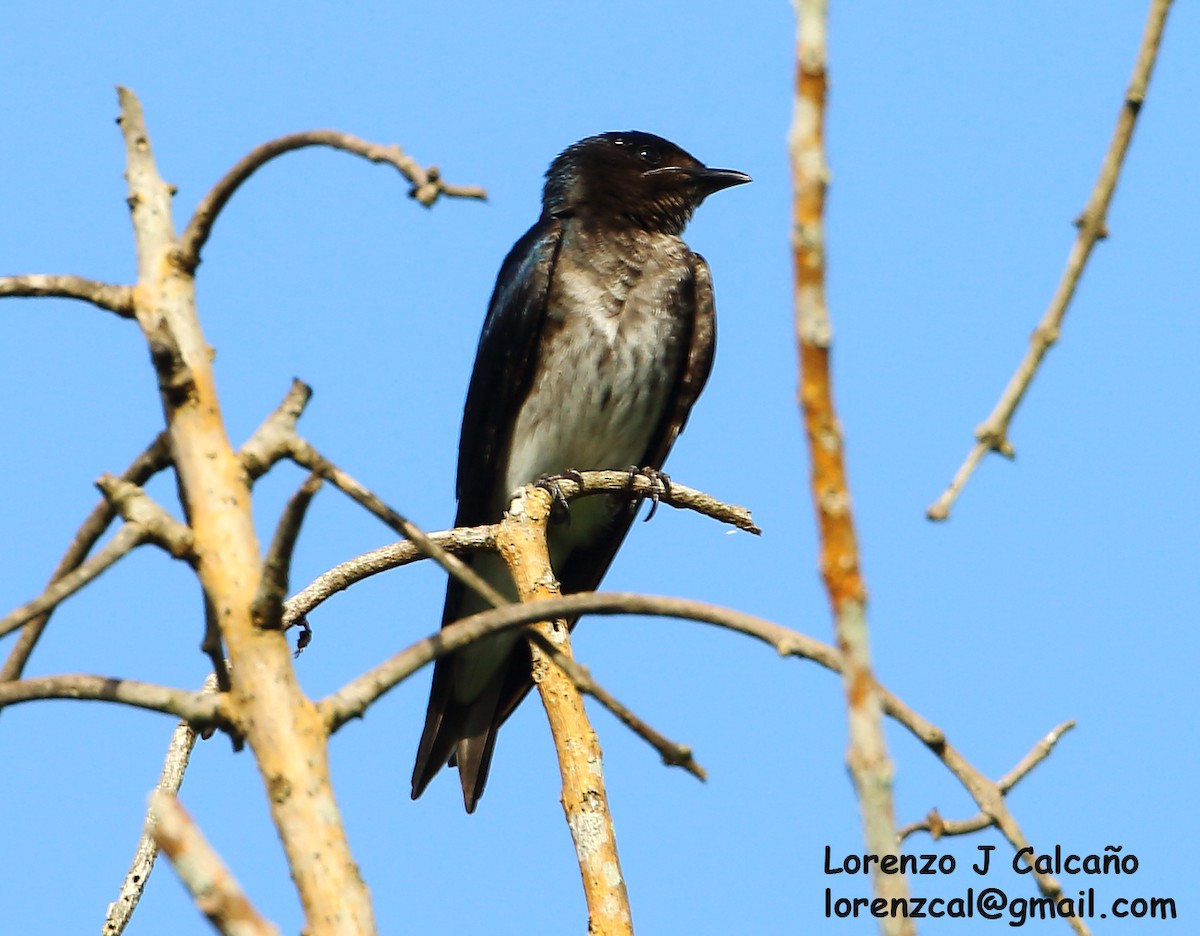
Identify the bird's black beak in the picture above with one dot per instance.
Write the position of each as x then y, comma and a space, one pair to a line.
713, 180
706, 180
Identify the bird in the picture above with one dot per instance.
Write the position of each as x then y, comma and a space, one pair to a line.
598, 339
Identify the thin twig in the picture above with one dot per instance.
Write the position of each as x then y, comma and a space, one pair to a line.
987, 794
143, 512
353, 699
992, 433
127, 538
179, 752
673, 753
198, 708
108, 296
304, 454
427, 184
938, 827
587, 483
273, 439
267, 608
154, 459
394, 555
217, 894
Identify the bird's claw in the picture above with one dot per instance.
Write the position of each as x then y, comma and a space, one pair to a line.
560, 510
659, 478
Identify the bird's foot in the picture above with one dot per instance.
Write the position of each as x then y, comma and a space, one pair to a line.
660, 478
560, 510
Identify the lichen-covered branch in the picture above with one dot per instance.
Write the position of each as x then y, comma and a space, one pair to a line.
522, 543
179, 752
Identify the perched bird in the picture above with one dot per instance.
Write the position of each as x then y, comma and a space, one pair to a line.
598, 339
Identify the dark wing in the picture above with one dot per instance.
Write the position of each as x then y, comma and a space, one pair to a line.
504, 363
696, 368
585, 568
500, 381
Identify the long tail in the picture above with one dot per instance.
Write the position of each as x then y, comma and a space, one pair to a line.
459, 733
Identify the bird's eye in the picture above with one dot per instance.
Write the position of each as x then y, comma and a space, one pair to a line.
650, 154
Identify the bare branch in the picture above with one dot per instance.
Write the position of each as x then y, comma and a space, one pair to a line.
108, 296
277, 719
522, 544
672, 753
198, 708
676, 495
149, 196
427, 184
179, 752
470, 539
987, 795
394, 555
267, 608
354, 698
273, 439
59, 589
154, 459
143, 512
938, 827
217, 894
867, 755
992, 433
304, 454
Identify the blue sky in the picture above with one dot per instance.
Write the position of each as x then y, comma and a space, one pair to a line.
964, 138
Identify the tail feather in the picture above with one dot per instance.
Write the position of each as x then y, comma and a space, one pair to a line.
459, 733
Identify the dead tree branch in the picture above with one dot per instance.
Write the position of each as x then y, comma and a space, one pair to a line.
427, 184
867, 755
938, 827
267, 608
272, 440
198, 709
304, 454
108, 296
179, 752
992, 433
217, 894
154, 459
522, 543
59, 589
280, 723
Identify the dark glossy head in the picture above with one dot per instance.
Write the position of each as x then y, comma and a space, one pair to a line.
632, 178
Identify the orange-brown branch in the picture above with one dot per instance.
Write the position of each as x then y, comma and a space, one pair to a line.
839, 542
867, 755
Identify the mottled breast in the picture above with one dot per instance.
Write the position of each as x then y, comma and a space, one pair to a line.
618, 325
